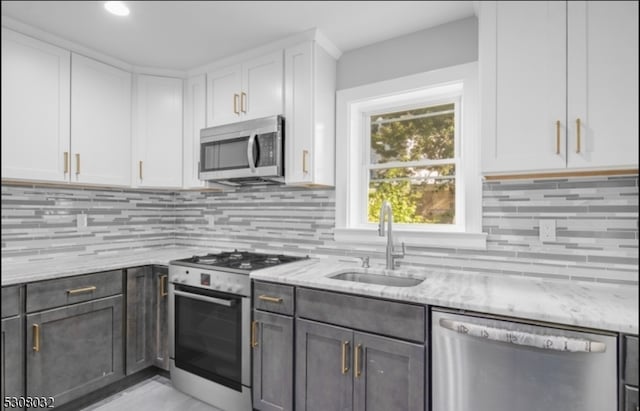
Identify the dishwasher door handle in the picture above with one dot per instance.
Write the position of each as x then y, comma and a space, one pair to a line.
545, 342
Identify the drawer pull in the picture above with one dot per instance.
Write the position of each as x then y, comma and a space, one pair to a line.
276, 300
254, 332
36, 337
82, 290
345, 347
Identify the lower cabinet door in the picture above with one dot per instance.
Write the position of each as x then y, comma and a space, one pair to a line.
388, 374
324, 379
74, 350
272, 362
630, 398
161, 317
140, 316
12, 362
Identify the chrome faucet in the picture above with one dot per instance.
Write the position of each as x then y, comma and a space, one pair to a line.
386, 211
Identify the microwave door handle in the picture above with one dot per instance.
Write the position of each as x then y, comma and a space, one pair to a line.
252, 164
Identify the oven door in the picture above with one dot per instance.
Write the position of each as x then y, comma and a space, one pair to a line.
210, 335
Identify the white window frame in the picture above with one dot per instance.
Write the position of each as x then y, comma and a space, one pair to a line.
353, 107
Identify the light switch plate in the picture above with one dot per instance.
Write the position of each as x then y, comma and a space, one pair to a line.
547, 230
82, 222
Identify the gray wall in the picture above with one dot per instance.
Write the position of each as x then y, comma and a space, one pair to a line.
438, 47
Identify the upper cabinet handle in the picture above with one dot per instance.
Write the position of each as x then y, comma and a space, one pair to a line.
66, 162
243, 102
558, 137
140, 169
305, 161
578, 135
77, 163
235, 104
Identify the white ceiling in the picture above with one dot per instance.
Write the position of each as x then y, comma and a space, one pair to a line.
181, 35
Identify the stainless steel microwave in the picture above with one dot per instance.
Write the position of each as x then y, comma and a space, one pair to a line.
249, 152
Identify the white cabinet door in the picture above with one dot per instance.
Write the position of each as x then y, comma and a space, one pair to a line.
261, 94
158, 132
299, 113
195, 99
603, 83
223, 95
35, 109
100, 123
310, 86
523, 56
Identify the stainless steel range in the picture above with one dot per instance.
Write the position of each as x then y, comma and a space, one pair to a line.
209, 321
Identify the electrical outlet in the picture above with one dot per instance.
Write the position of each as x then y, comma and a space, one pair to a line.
81, 222
547, 230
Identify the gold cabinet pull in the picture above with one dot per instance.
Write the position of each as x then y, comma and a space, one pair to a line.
140, 169
163, 285
558, 137
345, 366
357, 364
77, 163
235, 104
82, 290
578, 135
66, 162
36, 337
243, 102
254, 334
305, 162
277, 300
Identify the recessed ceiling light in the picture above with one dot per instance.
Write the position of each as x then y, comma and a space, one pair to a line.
117, 7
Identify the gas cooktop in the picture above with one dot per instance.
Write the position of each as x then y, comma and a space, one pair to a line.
237, 261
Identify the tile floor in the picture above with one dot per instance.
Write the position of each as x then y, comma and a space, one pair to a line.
154, 394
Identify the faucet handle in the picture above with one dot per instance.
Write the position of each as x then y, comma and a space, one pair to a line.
365, 262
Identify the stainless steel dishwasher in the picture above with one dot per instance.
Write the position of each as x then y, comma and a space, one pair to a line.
494, 364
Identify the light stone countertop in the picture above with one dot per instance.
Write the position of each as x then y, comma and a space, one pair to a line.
591, 305
25, 272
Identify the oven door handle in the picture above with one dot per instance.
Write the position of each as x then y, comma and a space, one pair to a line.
219, 301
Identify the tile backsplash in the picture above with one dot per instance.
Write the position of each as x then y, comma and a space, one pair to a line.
596, 219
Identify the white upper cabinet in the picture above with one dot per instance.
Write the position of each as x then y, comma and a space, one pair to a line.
100, 123
157, 147
548, 66
310, 85
245, 91
35, 109
602, 84
195, 111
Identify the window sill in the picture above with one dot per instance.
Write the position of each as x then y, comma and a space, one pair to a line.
438, 239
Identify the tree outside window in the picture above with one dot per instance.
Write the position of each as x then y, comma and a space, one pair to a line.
412, 164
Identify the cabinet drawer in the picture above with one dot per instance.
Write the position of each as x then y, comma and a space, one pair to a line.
631, 360
276, 298
10, 301
395, 319
630, 398
64, 291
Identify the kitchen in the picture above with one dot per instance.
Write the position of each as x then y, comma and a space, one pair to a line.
544, 241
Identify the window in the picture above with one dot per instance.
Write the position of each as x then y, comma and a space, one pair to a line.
414, 142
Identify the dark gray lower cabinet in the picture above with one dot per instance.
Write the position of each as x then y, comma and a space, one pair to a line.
324, 381
388, 375
161, 317
12, 358
74, 350
340, 369
147, 318
140, 316
272, 362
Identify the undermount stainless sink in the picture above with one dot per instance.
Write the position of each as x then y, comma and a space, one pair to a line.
379, 279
